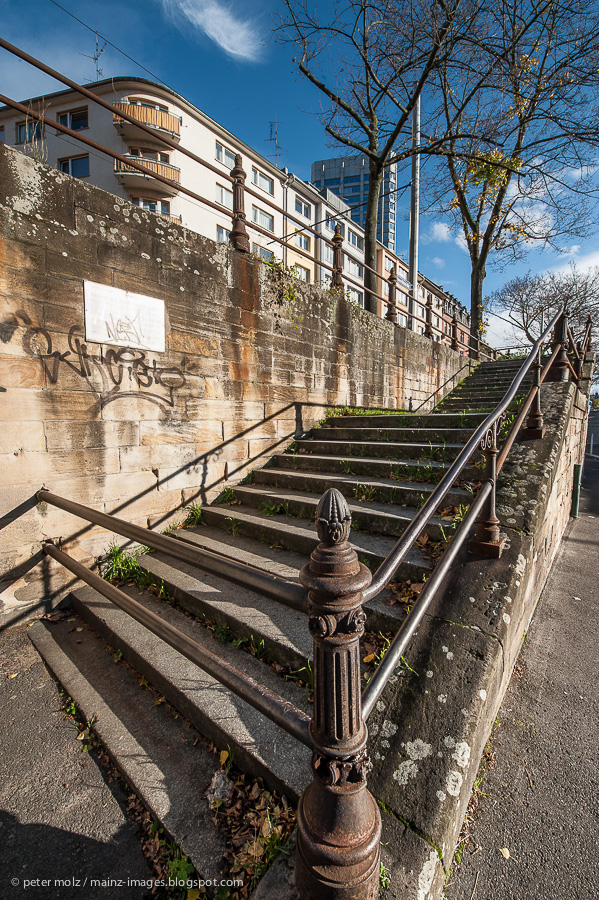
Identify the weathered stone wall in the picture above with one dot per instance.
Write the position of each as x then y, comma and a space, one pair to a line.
251, 359
429, 729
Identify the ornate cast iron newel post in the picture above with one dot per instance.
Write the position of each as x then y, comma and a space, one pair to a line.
391, 314
560, 370
337, 281
239, 236
454, 334
428, 325
487, 540
339, 824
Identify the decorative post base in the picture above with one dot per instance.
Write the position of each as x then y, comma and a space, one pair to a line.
528, 434
490, 549
338, 843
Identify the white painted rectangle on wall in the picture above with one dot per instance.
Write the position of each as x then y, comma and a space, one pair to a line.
122, 318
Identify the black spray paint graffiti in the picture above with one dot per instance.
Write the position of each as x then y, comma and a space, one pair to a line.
124, 372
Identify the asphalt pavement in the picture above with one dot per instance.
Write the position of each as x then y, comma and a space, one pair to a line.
535, 830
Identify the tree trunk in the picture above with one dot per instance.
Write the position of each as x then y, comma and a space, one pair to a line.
370, 227
477, 278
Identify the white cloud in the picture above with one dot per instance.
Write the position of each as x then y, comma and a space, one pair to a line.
438, 262
583, 263
439, 232
236, 37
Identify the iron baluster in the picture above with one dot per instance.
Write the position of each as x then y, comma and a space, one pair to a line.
534, 424
339, 824
337, 239
428, 324
391, 315
239, 236
487, 540
454, 334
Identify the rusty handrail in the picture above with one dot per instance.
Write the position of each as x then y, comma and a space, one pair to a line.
455, 375
280, 711
388, 568
286, 592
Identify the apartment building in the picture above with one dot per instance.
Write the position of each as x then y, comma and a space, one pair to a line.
299, 218
169, 114
348, 178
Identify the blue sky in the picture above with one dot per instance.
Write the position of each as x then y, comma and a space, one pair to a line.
220, 55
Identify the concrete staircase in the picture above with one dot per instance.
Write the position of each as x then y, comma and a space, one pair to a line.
386, 466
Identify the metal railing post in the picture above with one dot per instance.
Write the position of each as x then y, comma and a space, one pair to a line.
339, 824
454, 334
428, 325
239, 236
337, 281
391, 314
560, 370
534, 424
487, 540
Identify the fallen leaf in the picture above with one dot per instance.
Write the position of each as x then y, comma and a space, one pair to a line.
159, 701
577, 598
14, 675
143, 682
505, 852
224, 755
79, 629
369, 658
417, 588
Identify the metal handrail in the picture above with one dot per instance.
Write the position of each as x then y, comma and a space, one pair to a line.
280, 711
286, 592
455, 374
388, 568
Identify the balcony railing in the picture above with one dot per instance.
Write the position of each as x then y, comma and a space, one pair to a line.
157, 118
153, 167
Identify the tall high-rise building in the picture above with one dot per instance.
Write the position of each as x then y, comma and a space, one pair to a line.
348, 178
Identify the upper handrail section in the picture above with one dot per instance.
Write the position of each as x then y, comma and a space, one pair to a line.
388, 568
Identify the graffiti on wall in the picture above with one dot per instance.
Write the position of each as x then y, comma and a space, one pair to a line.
113, 372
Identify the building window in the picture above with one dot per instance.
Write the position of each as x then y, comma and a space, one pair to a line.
302, 273
355, 240
77, 166
1, 134
225, 156
401, 320
30, 131
152, 205
148, 104
331, 182
436, 321
355, 296
304, 209
262, 252
263, 181
76, 120
330, 223
351, 179
222, 235
302, 241
224, 196
354, 268
262, 218
327, 253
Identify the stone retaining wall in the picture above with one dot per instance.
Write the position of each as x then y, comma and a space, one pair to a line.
252, 358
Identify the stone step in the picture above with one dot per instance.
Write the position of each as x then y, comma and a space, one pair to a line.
400, 469
258, 746
246, 614
405, 420
165, 762
369, 488
263, 534
390, 451
372, 550
394, 435
381, 518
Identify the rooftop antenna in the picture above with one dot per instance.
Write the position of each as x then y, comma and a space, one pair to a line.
96, 57
274, 137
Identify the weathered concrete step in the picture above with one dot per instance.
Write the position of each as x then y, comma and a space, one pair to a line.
299, 535
157, 754
247, 614
259, 747
383, 490
400, 469
395, 435
380, 615
406, 420
385, 450
382, 518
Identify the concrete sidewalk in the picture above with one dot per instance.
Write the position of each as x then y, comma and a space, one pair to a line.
541, 798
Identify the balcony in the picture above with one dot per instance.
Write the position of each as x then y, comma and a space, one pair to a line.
135, 180
157, 119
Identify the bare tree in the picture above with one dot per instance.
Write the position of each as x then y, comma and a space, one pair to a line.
522, 177
530, 301
371, 60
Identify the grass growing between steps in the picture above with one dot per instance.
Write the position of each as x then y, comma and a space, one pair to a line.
122, 567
